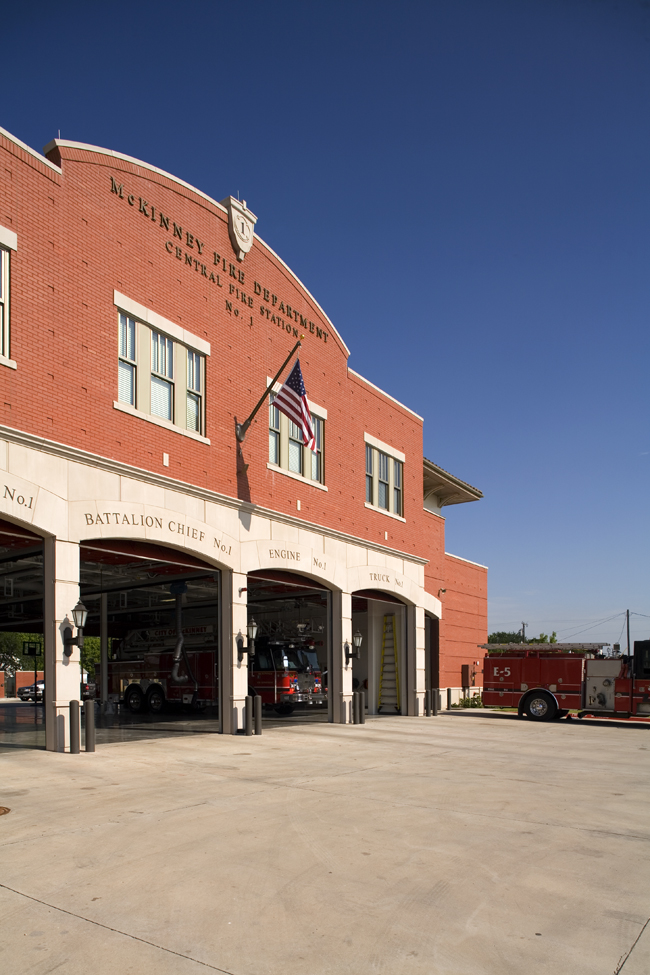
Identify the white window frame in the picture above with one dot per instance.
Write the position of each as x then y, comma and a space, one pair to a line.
282, 435
8, 243
378, 457
179, 344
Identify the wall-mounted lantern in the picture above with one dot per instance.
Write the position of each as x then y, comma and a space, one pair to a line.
251, 633
357, 640
79, 615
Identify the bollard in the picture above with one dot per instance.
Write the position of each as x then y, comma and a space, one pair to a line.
257, 713
362, 707
355, 707
248, 715
89, 715
449, 698
427, 704
75, 728
434, 695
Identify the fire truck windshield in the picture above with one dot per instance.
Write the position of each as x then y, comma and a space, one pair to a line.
295, 658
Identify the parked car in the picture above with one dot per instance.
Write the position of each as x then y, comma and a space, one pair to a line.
27, 693
88, 690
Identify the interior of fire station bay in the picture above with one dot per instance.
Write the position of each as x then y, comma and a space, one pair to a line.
153, 623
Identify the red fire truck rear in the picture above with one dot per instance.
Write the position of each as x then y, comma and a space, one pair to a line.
547, 681
153, 667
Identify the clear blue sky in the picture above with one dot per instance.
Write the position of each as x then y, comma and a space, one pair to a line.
465, 187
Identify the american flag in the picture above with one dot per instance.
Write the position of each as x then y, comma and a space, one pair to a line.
292, 401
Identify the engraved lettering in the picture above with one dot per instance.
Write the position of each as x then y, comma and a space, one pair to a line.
117, 188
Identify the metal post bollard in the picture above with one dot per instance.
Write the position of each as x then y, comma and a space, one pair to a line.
362, 707
248, 715
355, 707
427, 704
449, 698
75, 728
257, 713
434, 695
89, 715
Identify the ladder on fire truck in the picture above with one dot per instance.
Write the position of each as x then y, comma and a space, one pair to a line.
389, 676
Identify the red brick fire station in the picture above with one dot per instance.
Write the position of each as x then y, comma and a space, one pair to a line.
140, 322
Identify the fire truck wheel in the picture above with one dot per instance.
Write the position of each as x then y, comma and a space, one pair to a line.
540, 707
134, 699
155, 699
284, 709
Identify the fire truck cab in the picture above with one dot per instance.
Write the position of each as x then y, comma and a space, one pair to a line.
547, 681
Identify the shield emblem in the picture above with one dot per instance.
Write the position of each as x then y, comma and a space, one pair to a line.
241, 225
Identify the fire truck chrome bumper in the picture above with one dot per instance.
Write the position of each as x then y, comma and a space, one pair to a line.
304, 698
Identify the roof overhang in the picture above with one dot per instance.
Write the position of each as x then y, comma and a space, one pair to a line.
447, 488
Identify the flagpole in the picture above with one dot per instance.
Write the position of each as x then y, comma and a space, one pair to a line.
241, 429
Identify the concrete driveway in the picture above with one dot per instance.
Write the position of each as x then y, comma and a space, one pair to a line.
468, 843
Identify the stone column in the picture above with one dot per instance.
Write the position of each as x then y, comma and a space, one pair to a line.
62, 674
233, 673
415, 660
340, 677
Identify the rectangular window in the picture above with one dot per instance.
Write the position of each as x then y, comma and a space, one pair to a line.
194, 407
126, 368
4, 304
397, 487
295, 448
369, 473
162, 374
382, 482
287, 448
317, 455
384, 478
274, 433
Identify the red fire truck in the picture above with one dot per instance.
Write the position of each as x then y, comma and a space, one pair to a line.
153, 667
546, 681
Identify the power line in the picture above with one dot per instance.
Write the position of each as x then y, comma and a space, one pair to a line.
585, 629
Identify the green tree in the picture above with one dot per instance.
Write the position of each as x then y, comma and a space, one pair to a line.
501, 636
12, 657
90, 654
544, 638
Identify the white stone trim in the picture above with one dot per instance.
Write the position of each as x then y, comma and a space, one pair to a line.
154, 480
8, 239
160, 324
382, 511
317, 410
158, 421
296, 477
384, 447
469, 561
9, 363
387, 395
28, 149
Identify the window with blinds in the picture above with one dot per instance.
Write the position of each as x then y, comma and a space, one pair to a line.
126, 380
170, 386
288, 450
384, 481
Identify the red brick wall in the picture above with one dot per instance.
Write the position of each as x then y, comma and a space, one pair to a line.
464, 619
78, 242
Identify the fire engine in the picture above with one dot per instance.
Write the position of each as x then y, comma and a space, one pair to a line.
153, 667
546, 681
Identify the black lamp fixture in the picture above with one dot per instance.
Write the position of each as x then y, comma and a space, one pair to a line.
79, 615
357, 640
251, 633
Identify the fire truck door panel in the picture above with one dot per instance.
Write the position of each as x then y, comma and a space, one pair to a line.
600, 684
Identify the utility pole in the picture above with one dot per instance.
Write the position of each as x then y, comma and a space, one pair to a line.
627, 616
523, 632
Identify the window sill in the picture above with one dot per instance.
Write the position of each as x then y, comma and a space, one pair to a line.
382, 511
296, 477
165, 424
9, 363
